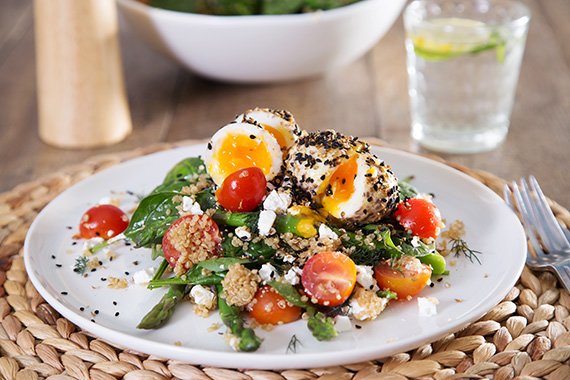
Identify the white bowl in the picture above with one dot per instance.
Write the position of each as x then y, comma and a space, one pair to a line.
264, 48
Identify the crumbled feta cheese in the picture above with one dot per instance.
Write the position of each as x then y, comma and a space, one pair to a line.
288, 258
202, 295
191, 206
325, 232
415, 241
90, 243
267, 272
277, 201
243, 233
365, 277
342, 323
427, 306
265, 222
143, 277
292, 275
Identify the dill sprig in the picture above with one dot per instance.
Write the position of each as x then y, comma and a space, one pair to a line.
460, 247
292, 346
80, 264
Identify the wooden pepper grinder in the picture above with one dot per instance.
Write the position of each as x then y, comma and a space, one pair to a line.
81, 91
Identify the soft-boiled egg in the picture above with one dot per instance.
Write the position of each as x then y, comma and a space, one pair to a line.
242, 145
340, 173
279, 123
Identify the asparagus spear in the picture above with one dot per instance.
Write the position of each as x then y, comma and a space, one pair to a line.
164, 309
231, 317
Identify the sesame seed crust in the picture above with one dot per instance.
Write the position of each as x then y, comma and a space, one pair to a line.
369, 304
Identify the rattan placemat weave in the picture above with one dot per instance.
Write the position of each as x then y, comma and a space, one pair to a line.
526, 336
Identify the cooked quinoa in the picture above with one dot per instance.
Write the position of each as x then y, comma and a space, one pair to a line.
240, 285
194, 245
365, 305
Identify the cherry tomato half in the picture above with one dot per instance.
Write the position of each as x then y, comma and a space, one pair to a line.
242, 190
197, 236
105, 221
420, 216
329, 278
406, 278
269, 308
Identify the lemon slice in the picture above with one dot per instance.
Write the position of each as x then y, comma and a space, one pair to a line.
445, 38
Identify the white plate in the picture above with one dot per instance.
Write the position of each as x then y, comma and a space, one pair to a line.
465, 295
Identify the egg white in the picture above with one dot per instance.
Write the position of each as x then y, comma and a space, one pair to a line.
274, 119
214, 167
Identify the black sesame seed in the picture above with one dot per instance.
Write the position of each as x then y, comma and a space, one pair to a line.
100, 262
92, 320
439, 279
358, 327
135, 263
69, 227
126, 273
252, 137
97, 233
64, 293
82, 308
209, 146
53, 257
117, 314
74, 243
103, 279
58, 265
115, 303
96, 312
93, 270
431, 285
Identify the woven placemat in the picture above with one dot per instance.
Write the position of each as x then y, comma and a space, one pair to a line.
526, 336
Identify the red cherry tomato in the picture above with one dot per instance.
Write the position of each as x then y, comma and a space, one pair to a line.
406, 278
196, 236
242, 190
420, 216
105, 221
329, 278
269, 308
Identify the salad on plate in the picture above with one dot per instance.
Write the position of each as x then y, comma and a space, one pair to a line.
276, 224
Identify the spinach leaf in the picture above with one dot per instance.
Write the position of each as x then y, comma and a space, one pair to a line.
280, 7
187, 170
151, 219
406, 190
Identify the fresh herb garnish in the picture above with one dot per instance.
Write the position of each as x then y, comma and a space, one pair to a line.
292, 346
460, 247
80, 264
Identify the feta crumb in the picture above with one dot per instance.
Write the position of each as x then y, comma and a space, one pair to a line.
267, 272
277, 201
144, 276
292, 275
191, 206
365, 277
427, 306
243, 233
202, 295
288, 258
326, 232
265, 222
342, 323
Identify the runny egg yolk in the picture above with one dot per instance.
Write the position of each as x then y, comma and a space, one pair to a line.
277, 134
340, 186
240, 151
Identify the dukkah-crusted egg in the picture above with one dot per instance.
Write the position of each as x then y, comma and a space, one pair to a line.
339, 173
315, 155
279, 123
242, 145
360, 190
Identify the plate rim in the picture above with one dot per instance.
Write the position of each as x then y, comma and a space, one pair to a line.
267, 361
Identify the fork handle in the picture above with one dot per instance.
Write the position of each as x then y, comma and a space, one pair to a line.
562, 270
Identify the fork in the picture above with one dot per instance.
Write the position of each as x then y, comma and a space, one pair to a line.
548, 240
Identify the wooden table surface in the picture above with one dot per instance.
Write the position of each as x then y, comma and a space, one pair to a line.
367, 98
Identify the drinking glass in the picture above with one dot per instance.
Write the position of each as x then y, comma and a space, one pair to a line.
463, 62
